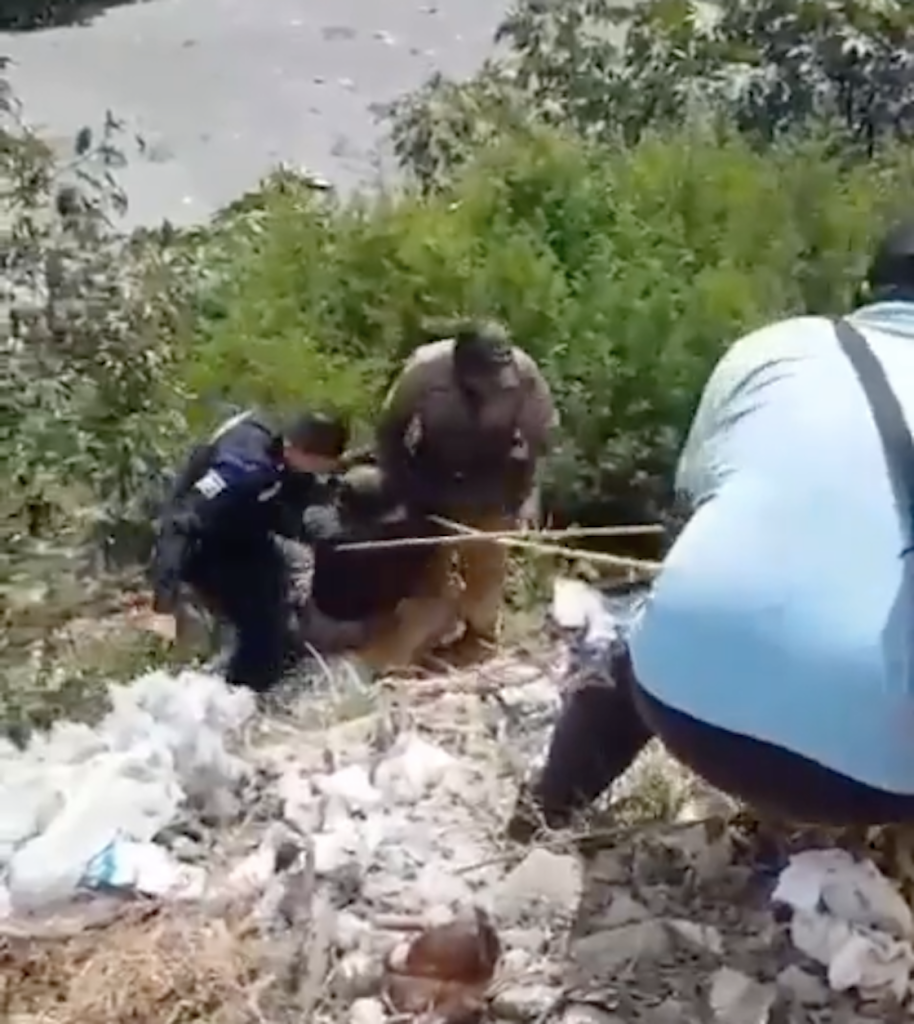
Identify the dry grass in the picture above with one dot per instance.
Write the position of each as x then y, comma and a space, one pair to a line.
169, 966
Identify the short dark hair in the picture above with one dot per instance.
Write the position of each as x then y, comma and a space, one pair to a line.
318, 433
892, 267
481, 347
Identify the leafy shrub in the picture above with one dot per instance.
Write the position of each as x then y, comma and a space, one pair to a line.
623, 271
612, 71
90, 406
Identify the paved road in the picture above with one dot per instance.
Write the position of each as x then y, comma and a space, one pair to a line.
225, 89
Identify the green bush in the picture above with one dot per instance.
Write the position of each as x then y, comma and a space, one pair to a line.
625, 272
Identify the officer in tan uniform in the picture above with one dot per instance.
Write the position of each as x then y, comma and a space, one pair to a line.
460, 435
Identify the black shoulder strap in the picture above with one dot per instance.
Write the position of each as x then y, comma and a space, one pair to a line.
887, 413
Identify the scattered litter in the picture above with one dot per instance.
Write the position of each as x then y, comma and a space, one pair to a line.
144, 868
848, 917
77, 792
339, 860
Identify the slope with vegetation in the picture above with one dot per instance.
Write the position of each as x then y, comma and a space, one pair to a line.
627, 210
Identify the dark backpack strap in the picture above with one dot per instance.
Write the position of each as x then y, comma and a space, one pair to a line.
897, 442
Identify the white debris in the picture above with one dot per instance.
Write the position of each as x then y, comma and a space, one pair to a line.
352, 787
76, 791
412, 768
701, 936
738, 999
850, 918
575, 604
367, 1011
145, 868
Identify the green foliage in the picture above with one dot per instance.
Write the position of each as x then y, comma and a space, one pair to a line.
90, 405
629, 189
625, 272
90, 326
29, 15
612, 71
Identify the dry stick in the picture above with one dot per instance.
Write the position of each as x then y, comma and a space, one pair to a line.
528, 535
594, 557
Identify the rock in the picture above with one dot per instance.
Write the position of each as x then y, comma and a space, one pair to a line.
300, 805
350, 931
336, 850
412, 768
352, 787
705, 847
543, 885
738, 999
525, 1002
603, 953
515, 963
802, 986
622, 910
186, 849
703, 937
367, 1011
606, 867
531, 940
587, 1013
357, 976
670, 1011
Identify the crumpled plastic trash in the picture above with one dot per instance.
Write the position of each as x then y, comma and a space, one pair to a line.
75, 791
851, 919
594, 623
144, 868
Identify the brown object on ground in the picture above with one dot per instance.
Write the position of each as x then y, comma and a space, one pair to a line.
168, 965
447, 970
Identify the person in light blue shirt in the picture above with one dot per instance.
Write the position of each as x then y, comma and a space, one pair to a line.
775, 653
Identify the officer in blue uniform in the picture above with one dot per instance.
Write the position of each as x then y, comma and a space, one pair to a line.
238, 492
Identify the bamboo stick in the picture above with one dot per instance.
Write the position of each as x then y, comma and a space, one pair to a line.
528, 535
594, 557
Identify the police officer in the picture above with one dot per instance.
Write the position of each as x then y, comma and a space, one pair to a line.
461, 435
239, 492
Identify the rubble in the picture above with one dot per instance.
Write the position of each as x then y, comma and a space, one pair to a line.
364, 875
738, 999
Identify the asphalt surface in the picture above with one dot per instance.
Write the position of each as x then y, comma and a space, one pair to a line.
224, 90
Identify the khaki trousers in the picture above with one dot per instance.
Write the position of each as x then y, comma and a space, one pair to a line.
483, 567
462, 582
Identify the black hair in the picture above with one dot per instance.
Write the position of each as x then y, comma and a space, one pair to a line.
367, 493
318, 433
891, 273
481, 348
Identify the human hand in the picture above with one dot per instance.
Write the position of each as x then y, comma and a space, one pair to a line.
320, 522
164, 626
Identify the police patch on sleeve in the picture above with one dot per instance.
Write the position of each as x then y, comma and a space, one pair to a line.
211, 484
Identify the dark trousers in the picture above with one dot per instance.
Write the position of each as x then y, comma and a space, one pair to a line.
603, 728
250, 589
